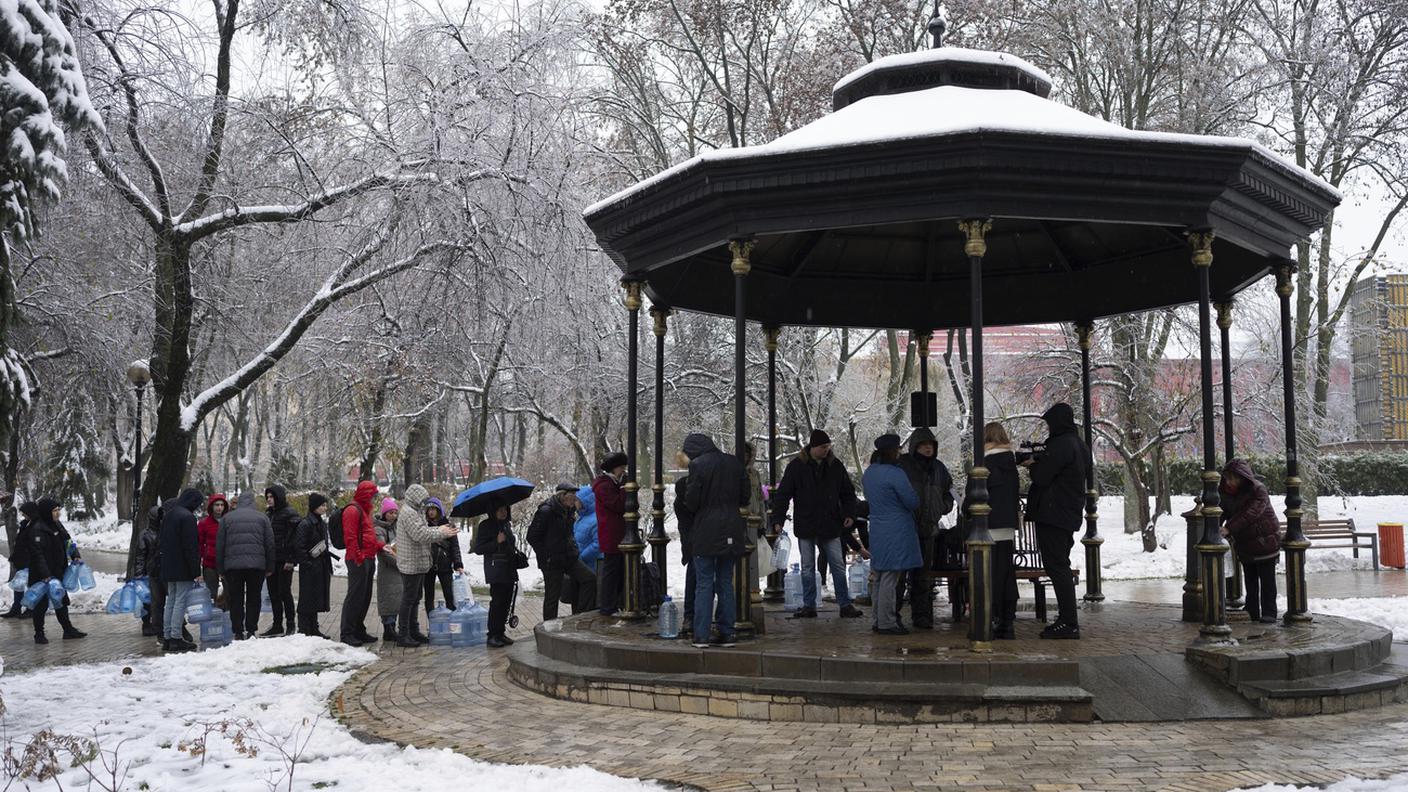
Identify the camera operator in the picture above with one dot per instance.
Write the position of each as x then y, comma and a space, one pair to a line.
1056, 504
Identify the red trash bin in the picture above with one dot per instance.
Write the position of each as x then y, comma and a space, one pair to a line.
1391, 545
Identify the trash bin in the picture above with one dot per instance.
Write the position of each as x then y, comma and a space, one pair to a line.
1391, 545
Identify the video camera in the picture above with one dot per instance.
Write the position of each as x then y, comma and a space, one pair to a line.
1030, 450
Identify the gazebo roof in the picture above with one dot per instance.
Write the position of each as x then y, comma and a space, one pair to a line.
854, 215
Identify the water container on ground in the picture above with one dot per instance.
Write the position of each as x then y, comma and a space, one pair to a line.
782, 552
20, 581
469, 625
669, 618
858, 579
215, 631
124, 600
35, 594
440, 634
199, 606
792, 589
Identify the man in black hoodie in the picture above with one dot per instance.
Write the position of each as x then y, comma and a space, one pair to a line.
180, 565
284, 519
823, 498
932, 481
1056, 503
716, 494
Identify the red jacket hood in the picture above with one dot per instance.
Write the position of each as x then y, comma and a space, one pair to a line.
366, 492
218, 497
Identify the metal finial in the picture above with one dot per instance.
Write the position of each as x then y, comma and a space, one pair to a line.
938, 24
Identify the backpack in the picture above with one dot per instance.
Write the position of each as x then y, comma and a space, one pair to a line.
650, 593
335, 529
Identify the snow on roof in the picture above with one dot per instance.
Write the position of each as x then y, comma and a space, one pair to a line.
941, 55
948, 110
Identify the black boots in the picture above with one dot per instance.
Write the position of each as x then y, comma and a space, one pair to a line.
14, 610
70, 632
388, 630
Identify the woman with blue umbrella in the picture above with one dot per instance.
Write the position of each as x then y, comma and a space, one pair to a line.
495, 541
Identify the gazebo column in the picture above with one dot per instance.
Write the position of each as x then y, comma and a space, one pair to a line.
1091, 540
658, 540
1211, 546
1295, 544
632, 545
1229, 446
742, 586
773, 593
924, 339
979, 541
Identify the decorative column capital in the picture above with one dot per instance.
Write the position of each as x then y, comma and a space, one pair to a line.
659, 313
770, 335
1284, 270
975, 233
632, 299
1200, 240
924, 337
1084, 332
1224, 314
741, 249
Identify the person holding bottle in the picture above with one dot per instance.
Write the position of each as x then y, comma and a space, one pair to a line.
206, 531
446, 560
19, 554
495, 541
312, 550
50, 551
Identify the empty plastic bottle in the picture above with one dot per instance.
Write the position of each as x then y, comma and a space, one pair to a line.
20, 581
57, 592
71, 577
86, 580
265, 606
669, 618
199, 606
440, 627
34, 594
124, 600
781, 552
792, 589
143, 589
858, 579
460, 587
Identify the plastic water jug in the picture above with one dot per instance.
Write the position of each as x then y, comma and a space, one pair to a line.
669, 618
57, 592
460, 587
86, 580
124, 600
199, 606
215, 631
858, 579
469, 625
71, 577
792, 589
20, 581
440, 626
265, 606
143, 589
35, 594
782, 552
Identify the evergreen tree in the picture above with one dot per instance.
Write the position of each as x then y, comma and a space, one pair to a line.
76, 469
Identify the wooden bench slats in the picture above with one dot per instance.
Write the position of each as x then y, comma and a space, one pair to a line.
1340, 530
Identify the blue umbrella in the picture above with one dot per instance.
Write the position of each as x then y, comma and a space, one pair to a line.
482, 497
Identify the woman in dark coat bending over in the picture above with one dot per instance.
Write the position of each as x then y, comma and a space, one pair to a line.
494, 540
1249, 521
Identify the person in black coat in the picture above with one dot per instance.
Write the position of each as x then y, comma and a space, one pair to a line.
284, 519
19, 553
494, 540
446, 559
934, 485
717, 490
1056, 503
1003, 523
148, 565
50, 550
823, 497
180, 565
553, 540
312, 551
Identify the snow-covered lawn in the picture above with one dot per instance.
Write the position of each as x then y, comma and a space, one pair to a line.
157, 717
1395, 783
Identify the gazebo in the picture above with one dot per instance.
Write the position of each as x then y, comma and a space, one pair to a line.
939, 176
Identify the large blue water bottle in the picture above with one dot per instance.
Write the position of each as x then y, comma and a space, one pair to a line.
71, 577
35, 594
858, 579
20, 581
57, 592
265, 606
440, 634
471, 622
669, 619
124, 600
215, 631
460, 587
86, 579
792, 589
199, 607
143, 589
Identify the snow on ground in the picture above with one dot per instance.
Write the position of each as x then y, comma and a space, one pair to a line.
1395, 783
1390, 612
152, 716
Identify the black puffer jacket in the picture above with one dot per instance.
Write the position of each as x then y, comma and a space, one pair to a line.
551, 536
499, 566
1057, 495
148, 562
49, 544
19, 554
180, 542
246, 539
684, 518
1004, 489
283, 519
717, 490
822, 495
931, 481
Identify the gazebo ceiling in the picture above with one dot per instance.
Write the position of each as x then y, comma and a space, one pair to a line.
855, 215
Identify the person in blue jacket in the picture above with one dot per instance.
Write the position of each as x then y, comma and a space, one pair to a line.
894, 537
588, 546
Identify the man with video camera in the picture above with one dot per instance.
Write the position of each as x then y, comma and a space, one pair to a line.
1056, 503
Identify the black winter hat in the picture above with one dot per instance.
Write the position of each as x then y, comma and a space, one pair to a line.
566, 486
818, 438
314, 501
887, 442
613, 461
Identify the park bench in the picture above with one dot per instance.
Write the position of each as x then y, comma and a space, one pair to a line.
1029, 568
1333, 534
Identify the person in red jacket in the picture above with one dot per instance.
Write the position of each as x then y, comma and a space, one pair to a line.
206, 531
362, 546
1249, 520
610, 528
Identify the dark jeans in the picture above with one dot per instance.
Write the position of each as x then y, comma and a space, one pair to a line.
156, 606
360, 577
408, 621
1259, 578
242, 588
553, 578
920, 583
688, 615
212, 582
447, 587
613, 577
1004, 580
500, 597
280, 595
1055, 544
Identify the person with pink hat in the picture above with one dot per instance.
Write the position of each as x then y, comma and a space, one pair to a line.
388, 583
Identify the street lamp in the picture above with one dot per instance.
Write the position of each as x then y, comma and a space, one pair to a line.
139, 374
